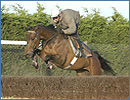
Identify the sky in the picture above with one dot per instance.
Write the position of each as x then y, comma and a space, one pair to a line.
105, 6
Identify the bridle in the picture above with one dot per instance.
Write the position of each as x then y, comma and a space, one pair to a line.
47, 41
34, 45
37, 36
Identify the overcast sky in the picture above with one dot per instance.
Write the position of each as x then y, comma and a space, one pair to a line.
104, 6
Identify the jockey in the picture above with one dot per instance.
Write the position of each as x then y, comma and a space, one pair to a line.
68, 20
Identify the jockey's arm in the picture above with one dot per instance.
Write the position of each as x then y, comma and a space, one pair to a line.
71, 26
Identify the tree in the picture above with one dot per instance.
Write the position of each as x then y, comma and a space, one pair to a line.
117, 30
13, 25
92, 26
95, 28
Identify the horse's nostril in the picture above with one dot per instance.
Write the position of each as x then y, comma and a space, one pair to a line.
27, 55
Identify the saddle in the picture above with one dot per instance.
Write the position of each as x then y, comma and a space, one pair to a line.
76, 44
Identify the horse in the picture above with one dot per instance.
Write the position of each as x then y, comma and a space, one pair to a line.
57, 49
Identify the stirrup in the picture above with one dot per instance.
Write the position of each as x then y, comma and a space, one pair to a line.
78, 55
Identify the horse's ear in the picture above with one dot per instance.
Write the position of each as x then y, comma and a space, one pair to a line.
36, 28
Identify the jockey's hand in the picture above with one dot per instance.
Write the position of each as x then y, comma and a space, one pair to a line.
51, 25
64, 30
59, 30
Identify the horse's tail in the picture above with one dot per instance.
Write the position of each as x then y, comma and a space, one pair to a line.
104, 65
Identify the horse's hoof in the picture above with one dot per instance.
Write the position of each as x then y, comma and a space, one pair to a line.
36, 67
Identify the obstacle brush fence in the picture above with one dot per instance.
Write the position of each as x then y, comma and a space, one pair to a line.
93, 87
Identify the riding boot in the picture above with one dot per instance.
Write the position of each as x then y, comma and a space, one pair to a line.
80, 52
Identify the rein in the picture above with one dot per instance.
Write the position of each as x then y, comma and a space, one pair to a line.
46, 42
34, 45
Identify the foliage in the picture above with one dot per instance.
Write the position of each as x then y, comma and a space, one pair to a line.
116, 54
98, 29
13, 25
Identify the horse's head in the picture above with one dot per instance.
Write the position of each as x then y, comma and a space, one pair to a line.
33, 40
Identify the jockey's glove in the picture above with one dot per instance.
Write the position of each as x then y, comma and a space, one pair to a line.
59, 30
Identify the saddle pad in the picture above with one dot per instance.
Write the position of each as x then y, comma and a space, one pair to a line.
86, 49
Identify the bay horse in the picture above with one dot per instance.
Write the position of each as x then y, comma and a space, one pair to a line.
57, 49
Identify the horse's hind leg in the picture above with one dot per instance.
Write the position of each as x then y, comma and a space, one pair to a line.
83, 72
95, 66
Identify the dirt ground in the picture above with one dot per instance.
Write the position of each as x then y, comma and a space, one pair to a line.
50, 87
15, 98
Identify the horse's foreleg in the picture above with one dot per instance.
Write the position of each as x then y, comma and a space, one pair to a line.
47, 58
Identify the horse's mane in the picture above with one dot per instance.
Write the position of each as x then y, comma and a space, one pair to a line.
53, 29
48, 28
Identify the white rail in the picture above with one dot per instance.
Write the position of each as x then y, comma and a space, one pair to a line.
13, 42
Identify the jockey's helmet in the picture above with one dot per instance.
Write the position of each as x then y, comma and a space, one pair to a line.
55, 12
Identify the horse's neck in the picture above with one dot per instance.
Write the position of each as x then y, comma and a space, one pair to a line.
46, 35
47, 32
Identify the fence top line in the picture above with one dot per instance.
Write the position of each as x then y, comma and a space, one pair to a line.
13, 42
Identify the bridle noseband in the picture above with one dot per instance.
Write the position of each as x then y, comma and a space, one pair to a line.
37, 36
34, 45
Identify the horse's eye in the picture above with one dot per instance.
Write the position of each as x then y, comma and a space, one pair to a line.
32, 39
